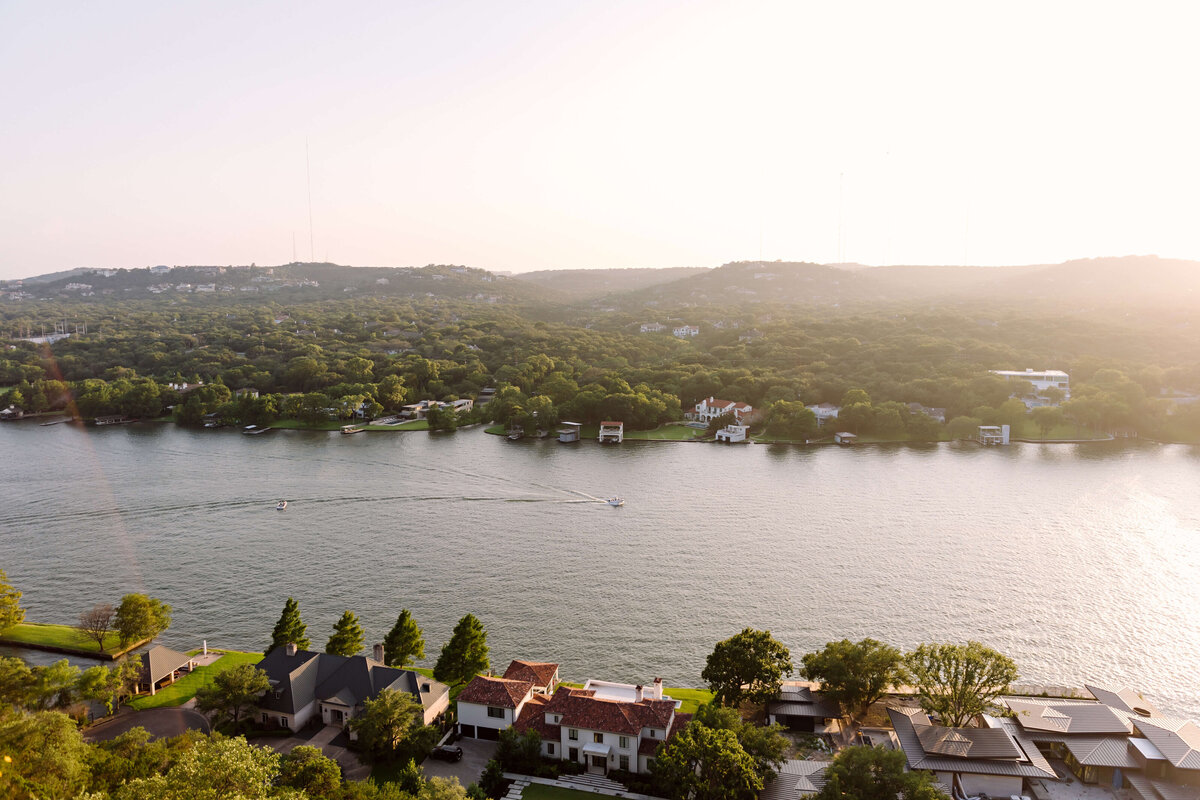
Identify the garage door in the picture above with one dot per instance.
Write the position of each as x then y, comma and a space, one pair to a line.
467, 731
490, 734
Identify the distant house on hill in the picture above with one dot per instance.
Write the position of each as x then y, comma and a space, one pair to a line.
710, 408
653, 327
824, 412
686, 331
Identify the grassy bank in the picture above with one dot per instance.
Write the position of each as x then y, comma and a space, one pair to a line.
185, 688
62, 638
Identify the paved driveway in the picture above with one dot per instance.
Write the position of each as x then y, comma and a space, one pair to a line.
331, 741
476, 754
160, 722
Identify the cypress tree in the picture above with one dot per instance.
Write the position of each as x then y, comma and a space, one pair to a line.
404, 643
347, 636
465, 655
290, 629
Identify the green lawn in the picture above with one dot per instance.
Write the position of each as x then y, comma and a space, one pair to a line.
411, 425
667, 433
297, 425
58, 636
185, 688
540, 791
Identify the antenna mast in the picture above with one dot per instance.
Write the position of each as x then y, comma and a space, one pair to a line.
308, 171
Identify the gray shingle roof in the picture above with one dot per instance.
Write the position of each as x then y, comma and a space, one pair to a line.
299, 679
1026, 762
158, 662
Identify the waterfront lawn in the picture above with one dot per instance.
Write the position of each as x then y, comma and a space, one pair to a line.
411, 425
185, 688
671, 432
59, 636
297, 425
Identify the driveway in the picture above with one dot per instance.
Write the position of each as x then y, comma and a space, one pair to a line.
331, 741
476, 754
161, 723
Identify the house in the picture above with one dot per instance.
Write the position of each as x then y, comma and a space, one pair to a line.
824, 412
569, 432
710, 408
331, 689
603, 726
801, 709
246, 392
161, 666
488, 705
653, 327
611, 432
1119, 740
1041, 380
686, 331
938, 414
994, 760
731, 434
751, 335
12, 412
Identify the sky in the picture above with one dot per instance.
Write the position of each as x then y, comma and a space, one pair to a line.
547, 134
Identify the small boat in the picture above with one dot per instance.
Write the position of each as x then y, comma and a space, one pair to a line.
348, 429
515, 435
281, 505
615, 501
254, 430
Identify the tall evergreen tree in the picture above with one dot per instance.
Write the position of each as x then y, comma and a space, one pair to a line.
404, 643
347, 636
465, 655
290, 629
11, 612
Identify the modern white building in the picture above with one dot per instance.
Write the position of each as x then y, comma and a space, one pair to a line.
732, 434
1042, 380
824, 411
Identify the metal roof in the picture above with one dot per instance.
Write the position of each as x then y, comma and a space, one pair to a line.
1103, 751
1029, 763
1068, 717
796, 779
1125, 699
1177, 739
158, 662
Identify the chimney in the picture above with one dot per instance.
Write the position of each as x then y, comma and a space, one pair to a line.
658, 688
379, 652
291, 648
637, 693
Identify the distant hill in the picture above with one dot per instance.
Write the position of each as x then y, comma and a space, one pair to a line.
585, 284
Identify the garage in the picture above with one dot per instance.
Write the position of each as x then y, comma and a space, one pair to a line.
489, 734
466, 731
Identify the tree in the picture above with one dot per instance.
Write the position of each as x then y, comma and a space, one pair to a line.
140, 617
465, 655
875, 773
767, 745
855, 674
404, 643
347, 636
308, 769
701, 763
53, 684
16, 682
519, 752
48, 755
213, 769
11, 612
963, 427
232, 692
791, 420
1047, 418
717, 423
290, 629
749, 666
96, 622
956, 681
386, 721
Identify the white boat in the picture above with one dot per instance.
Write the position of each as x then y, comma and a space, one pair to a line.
281, 505
615, 501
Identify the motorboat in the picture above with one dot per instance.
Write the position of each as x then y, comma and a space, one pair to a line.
615, 501
281, 505
348, 429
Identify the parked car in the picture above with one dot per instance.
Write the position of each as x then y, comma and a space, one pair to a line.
448, 752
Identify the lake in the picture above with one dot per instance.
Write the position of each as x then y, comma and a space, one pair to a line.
1082, 562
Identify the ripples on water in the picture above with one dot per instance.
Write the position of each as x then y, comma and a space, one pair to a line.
1079, 561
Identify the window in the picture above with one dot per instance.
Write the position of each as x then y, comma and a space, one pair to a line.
549, 748
574, 754
625, 763
283, 722
623, 743
557, 718
598, 738
266, 718
573, 734
497, 713
653, 733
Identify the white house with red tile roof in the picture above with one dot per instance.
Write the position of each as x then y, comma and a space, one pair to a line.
488, 705
710, 408
542, 674
603, 726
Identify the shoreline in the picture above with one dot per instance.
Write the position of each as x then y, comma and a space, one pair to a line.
60, 648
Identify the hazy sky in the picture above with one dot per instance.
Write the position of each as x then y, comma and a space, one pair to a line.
532, 135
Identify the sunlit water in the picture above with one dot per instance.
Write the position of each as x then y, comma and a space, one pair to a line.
1082, 562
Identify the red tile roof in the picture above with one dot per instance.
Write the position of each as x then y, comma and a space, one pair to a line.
499, 692
649, 747
581, 709
533, 717
539, 673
